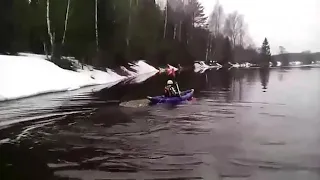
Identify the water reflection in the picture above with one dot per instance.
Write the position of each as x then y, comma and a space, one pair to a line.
231, 85
264, 77
280, 77
226, 79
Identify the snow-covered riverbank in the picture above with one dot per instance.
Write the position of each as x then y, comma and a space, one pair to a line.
29, 75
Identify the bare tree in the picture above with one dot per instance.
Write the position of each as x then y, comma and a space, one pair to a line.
175, 31
241, 28
180, 29
129, 24
282, 50
178, 7
96, 25
180, 12
233, 27
49, 24
208, 46
247, 40
216, 19
166, 20
66, 22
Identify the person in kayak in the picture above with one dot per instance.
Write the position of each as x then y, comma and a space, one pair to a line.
170, 90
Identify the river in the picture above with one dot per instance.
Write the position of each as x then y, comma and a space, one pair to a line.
242, 124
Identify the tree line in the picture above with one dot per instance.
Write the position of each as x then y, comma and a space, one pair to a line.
114, 32
305, 57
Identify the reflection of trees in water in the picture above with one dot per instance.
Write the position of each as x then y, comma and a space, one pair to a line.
282, 73
251, 75
264, 77
280, 77
237, 85
227, 84
231, 84
226, 79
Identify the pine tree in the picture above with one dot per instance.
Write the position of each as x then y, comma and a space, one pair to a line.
197, 13
265, 54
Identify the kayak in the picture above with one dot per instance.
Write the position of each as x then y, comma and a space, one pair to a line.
185, 95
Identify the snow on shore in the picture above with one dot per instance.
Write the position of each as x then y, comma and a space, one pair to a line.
201, 66
140, 78
128, 72
29, 74
101, 77
141, 67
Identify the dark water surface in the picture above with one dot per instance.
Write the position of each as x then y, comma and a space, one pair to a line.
243, 124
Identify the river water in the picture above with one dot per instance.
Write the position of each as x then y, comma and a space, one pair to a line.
242, 124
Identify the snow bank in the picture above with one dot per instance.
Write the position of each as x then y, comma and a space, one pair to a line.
31, 74
141, 67
101, 77
22, 76
295, 63
33, 55
200, 70
128, 72
236, 65
45, 57
201, 66
139, 79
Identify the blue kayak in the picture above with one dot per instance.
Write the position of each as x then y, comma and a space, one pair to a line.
185, 95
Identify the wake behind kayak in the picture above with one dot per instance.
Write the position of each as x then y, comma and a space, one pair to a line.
135, 103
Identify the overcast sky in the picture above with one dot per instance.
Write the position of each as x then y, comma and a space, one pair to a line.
294, 24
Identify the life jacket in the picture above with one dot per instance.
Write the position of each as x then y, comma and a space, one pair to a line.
169, 91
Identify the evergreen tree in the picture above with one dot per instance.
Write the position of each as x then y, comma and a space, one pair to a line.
265, 54
196, 11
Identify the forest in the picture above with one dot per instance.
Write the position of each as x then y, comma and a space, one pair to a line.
110, 33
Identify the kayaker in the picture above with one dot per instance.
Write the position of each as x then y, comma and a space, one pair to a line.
170, 90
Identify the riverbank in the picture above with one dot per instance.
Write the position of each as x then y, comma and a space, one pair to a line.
30, 74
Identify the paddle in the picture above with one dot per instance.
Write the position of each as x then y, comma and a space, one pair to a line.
179, 92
